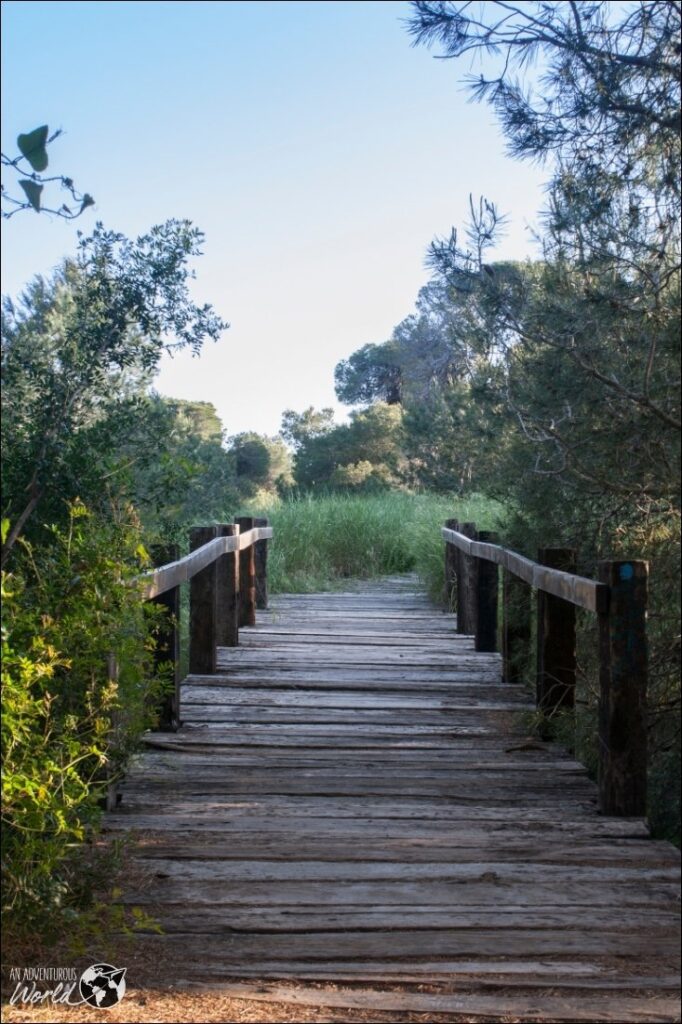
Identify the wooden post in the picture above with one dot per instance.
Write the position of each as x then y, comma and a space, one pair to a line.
515, 626
467, 579
247, 577
167, 638
202, 608
623, 684
261, 559
451, 568
486, 597
556, 639
227, 584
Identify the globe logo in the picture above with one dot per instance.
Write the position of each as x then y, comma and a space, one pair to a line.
103, 985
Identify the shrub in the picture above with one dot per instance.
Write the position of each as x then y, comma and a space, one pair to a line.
69, 613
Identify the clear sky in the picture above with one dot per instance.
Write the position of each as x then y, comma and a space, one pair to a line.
318, 151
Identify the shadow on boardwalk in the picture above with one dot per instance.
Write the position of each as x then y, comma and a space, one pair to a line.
348, 801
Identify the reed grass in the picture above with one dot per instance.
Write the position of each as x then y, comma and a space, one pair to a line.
321, 541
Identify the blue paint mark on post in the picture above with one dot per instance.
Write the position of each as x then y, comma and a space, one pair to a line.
626, 572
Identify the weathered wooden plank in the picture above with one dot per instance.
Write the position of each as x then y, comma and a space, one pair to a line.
351, 718
463, 829
190, 764
592, 1007
374, 737
579, 590
457, 807
661, 925
592, 871
196, 693
541, 847
354, 678
443, 899
156, 581
517, 751
445, 975
465, 974
389, 947
165, 793
280, 640
348, 800
322, 657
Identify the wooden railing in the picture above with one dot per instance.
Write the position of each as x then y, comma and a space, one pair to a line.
227, 572
618, 598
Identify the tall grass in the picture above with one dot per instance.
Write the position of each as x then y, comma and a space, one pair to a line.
321, 541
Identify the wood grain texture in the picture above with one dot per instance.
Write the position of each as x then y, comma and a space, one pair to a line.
351, 799
157, 581
579, 590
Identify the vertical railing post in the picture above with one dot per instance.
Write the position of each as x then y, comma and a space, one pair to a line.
516, 629
247, 576
202, 608
467, 579
227, 585
623, 685
261, 566
556, 661
167, 638
486, 598
450, 592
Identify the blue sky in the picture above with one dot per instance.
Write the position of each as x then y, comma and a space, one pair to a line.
317, 150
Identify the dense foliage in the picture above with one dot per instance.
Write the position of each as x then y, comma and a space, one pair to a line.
80, 437
79, 685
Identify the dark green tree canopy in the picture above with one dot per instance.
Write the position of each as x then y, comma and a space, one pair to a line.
260, 462
606, 76
73, 347
369, 375
300, 427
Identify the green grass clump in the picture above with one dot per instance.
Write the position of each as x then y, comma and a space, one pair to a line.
321, 541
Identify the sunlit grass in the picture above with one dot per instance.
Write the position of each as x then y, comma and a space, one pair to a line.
321, 541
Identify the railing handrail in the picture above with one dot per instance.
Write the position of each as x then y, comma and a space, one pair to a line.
166, 577
578, 590
619, 598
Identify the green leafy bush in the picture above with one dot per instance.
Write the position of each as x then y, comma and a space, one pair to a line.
78, 688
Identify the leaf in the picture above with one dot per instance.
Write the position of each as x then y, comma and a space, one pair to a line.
87, 201
33, 191
32, 146
142, 553
5, 530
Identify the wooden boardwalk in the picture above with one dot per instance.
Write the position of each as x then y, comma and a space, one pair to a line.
352, 799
